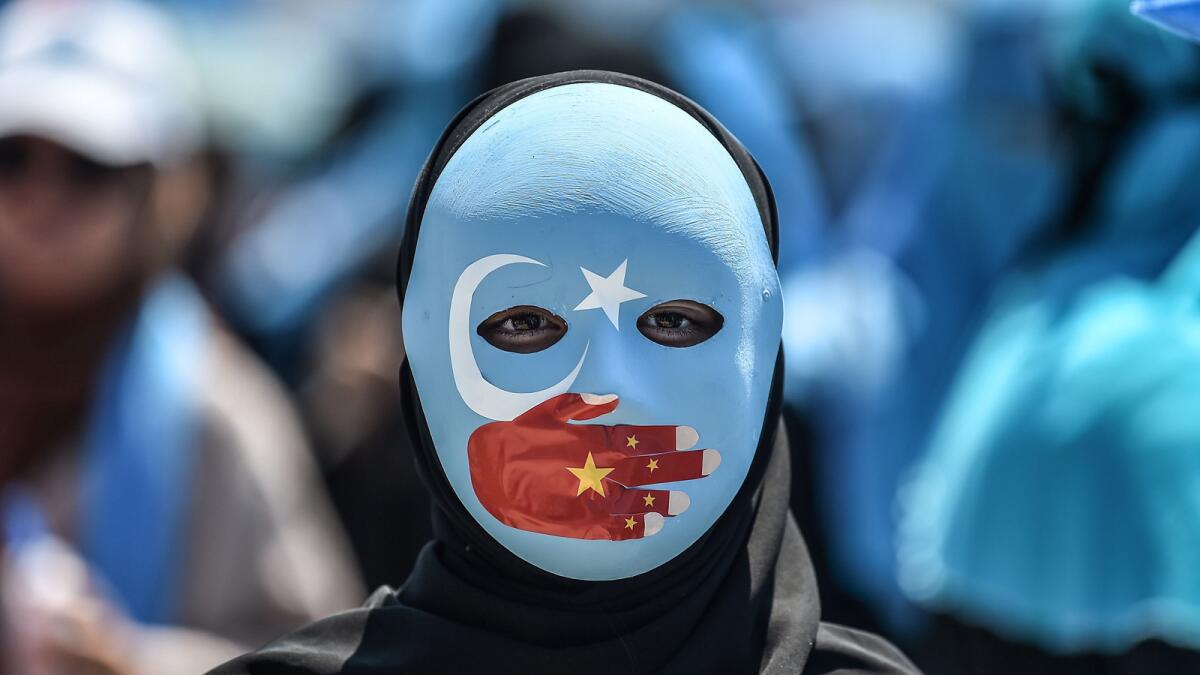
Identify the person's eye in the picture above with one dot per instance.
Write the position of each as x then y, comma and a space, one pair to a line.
523, 330
680, 323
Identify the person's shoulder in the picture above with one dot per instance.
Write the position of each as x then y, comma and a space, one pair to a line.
320, 648
259, 498
246, 402
840, 649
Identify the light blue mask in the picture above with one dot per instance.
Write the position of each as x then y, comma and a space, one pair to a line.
594, 202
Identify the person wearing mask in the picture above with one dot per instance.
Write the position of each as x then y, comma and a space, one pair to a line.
160, 511
591, 318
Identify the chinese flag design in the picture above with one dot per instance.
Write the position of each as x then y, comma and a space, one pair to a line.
543, 474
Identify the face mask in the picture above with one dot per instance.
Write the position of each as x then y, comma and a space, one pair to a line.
592, 320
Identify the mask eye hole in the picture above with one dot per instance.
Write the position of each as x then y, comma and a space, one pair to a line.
523, 330
680, 323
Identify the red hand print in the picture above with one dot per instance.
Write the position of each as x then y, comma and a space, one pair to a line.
542, 474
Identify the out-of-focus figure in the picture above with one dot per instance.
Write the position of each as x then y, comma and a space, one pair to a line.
935, 131
1054, 521
160, 508
1056, 515
1038, 129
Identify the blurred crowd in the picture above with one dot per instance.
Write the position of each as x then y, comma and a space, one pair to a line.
992, 331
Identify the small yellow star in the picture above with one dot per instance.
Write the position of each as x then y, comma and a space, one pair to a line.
629, 523
631, 442
589, 476
649, 499
652, 465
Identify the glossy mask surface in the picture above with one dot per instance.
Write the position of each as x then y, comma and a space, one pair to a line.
595, 202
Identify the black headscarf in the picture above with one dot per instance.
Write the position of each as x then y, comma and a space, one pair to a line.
741, 599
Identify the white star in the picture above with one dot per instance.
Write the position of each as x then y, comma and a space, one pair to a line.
608, 292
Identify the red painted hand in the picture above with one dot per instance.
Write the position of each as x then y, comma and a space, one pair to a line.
542, 474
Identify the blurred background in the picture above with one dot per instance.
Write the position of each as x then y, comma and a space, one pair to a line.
992, 333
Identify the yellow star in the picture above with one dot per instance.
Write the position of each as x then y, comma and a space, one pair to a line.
652, 465
649, 499
631, 442
589, 476
629, 523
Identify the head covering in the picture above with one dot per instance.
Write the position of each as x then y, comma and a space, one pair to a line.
741, 598
105, 78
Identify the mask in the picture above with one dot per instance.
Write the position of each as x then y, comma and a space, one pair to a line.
592, 320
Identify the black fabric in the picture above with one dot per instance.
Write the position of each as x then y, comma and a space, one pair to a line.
760, 614
960, 647
741, 599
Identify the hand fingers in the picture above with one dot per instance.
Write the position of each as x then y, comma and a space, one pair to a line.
634, 526
626, 501
566, 407
644, 440
665, 467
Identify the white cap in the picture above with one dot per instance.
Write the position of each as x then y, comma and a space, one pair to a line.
107, 78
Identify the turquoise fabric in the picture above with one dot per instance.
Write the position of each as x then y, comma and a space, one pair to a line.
1059, 502
1115, 196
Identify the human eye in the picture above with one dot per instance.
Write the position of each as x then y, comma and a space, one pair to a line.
524, 329
680, 323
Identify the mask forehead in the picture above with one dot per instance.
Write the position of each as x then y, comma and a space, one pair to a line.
594, 147
541, 196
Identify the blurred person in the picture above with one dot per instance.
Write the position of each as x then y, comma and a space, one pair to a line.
657, 539
1053, 521
969, 176
160, 509
934, 127
1061, 129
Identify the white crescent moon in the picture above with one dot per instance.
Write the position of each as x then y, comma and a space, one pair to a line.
485, 398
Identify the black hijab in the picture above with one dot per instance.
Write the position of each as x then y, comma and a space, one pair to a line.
741, 599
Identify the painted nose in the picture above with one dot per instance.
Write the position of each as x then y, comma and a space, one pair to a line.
611, 368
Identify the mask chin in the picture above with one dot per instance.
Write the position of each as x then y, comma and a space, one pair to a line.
468, 543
